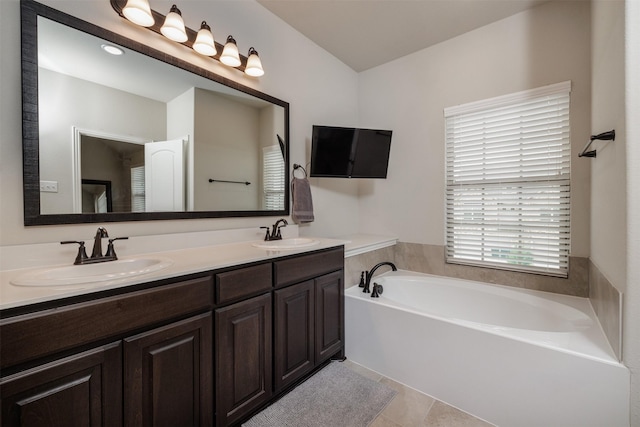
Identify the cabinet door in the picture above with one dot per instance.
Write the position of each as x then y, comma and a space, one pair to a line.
167, 374
294, 333
243, 358
80, 390
329, 315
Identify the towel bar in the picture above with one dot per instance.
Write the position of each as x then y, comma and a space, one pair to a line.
604, 136
230, 182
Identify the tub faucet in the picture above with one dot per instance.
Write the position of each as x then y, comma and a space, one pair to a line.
369, 275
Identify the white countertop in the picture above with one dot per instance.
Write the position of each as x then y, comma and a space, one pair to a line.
188, 253
356, 244
183, 262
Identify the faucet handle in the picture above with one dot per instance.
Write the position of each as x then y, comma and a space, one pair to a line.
266, 237
367, 279
377, 290
82, 252
361, 284
110, 250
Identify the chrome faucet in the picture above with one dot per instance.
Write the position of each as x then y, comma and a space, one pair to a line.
369, 276
275, 231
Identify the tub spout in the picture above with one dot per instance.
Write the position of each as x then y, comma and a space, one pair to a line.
370, 275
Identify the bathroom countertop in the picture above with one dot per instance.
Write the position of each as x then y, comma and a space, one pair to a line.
183, 262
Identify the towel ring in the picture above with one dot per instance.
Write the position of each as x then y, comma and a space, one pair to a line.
296, 167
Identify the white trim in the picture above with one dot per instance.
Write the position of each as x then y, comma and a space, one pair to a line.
76, 162
497, 101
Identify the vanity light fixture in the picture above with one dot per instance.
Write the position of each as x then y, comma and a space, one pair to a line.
254, 65
204, 44
173, 27
139, 12
230, 54
111, 49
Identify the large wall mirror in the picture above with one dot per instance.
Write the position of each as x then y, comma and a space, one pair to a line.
172, 140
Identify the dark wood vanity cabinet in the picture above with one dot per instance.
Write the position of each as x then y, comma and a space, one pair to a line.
243, 358
167, 375
294, 309
209, 349
157, 360
329, 315
309, 316
84, 389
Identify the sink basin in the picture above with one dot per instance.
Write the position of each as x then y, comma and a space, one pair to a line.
91, 273
293, 243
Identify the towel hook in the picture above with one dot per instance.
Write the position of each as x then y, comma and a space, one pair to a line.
296, 167
604, 136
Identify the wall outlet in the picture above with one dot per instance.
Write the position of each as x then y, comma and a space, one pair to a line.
49, 186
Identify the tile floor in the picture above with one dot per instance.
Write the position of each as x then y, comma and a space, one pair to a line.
410, 408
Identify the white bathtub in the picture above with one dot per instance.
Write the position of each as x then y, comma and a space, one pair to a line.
513, 357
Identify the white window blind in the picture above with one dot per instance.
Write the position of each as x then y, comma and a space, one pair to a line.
137, 189
273, 178
508, 182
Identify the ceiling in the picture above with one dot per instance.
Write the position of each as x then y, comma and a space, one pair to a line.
367, 33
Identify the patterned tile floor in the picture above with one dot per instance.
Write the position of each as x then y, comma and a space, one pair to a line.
410, 408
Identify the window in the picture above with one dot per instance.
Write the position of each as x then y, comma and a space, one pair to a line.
137, 189
508, 187
273, 178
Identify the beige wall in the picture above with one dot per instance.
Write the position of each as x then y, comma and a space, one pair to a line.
226, 147
63, 104
608, 169
319, 88
546, 45
631, 308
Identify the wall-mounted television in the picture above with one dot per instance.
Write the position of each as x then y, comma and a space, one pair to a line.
340, 152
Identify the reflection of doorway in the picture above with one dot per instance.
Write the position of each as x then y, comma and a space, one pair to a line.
99, 156
96, 196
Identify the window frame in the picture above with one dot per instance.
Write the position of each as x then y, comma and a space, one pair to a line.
488, 181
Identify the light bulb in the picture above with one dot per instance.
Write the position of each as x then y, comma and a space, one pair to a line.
254, 65
173, 27
230, 54
138, 12
204, 43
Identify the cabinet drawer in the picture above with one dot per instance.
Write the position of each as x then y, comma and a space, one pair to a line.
236, 284
305, 267
43, 333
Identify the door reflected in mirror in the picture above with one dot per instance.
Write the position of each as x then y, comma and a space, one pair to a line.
96, 196
100, 116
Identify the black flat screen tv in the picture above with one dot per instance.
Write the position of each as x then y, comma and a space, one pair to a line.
339, 152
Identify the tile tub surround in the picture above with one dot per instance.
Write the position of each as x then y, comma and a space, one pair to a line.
430, 259
355, 265
607, 304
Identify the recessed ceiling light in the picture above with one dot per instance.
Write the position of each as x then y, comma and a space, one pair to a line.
113, 50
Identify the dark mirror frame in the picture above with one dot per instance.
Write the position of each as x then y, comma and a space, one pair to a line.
29, 11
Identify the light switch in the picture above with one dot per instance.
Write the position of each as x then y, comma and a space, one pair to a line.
49, 186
